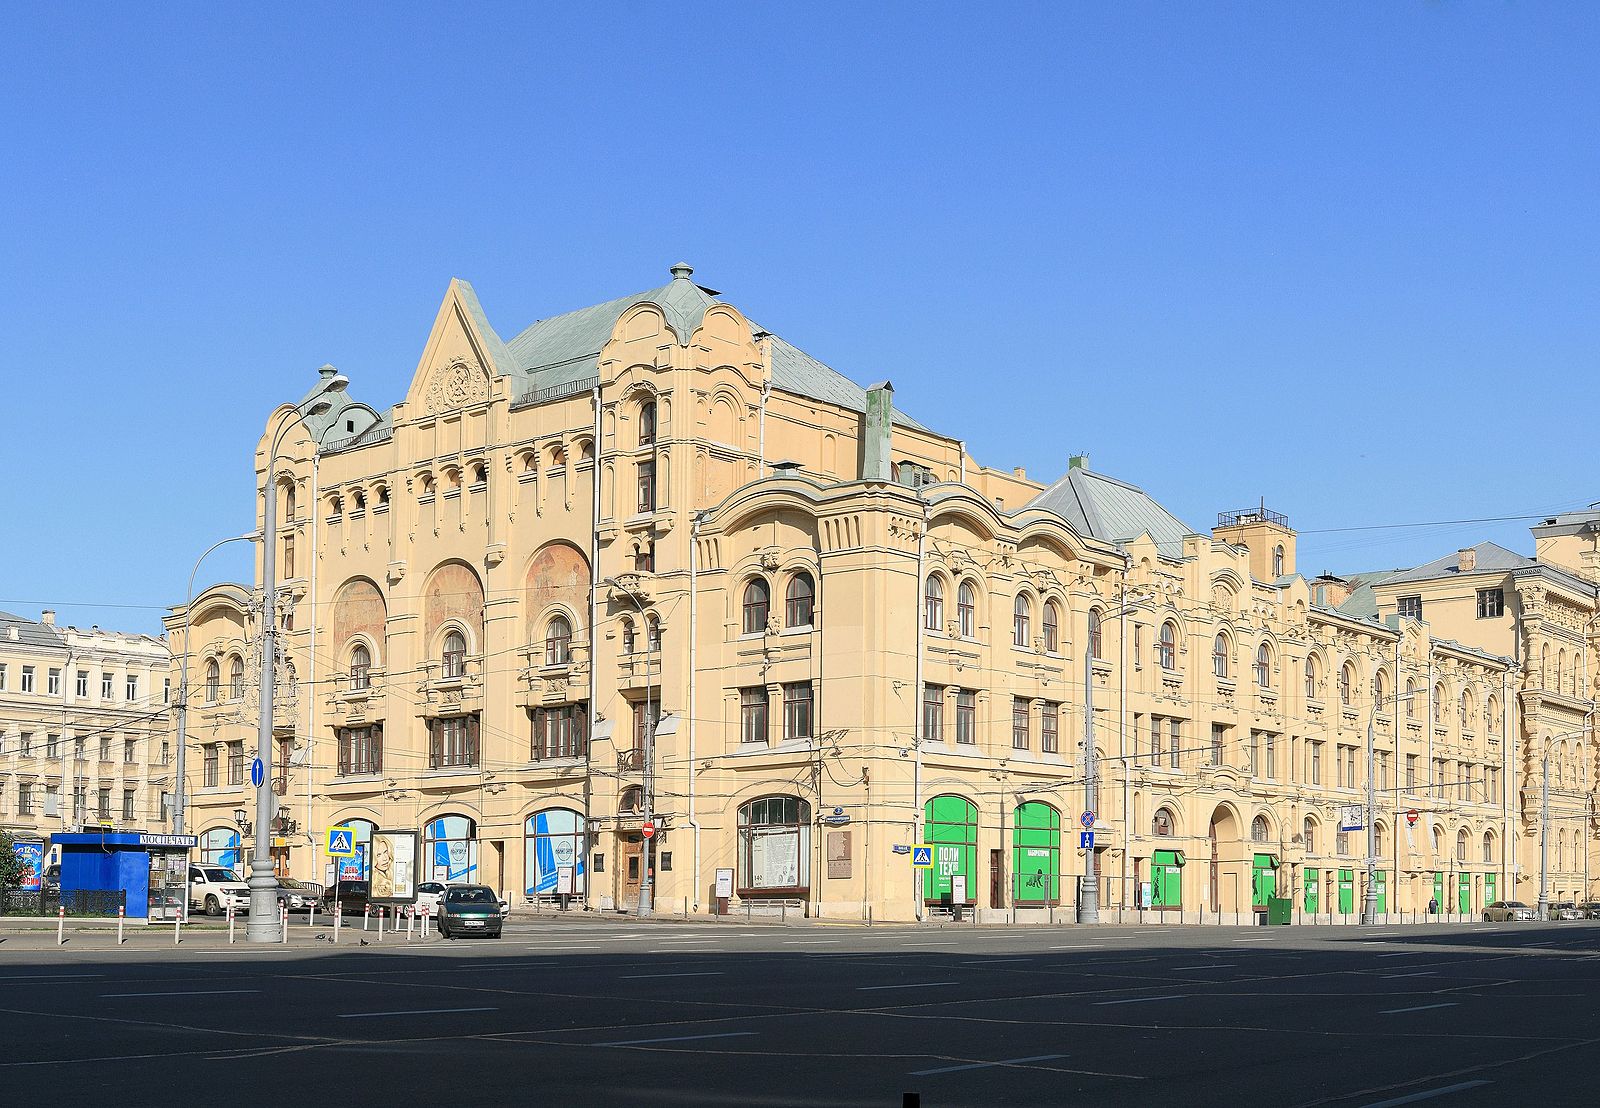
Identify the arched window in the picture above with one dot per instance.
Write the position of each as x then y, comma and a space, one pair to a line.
774, 846
933, 604
1491, 714
1097, 643
236, 678
1161, 823
652, 633
1347, 684
455, 655
1052, 626
1021, 621
1464, 710
360, 667
756, 601
1488, 847
1167, 649
1411, 699
950, 823
558, 641
798, 600
288, 502
1310, 834
1277, 562
1380, 691
553, 840
1264, 666
1461, 845
967, 610
1219, 655
1260, 831
647, 423
1311, 676
213, 681
631, 799
629, 641
450, 849
220, 847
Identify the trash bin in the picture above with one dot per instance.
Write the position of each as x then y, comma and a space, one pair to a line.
1280, 910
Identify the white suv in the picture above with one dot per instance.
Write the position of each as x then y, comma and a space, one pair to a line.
214, 890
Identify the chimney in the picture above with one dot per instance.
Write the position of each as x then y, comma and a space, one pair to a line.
48, 617
1466, 560
1078, 461
1020, 473
878, 425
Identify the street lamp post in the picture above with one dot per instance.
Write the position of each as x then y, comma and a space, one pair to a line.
1544, 836
262, 926
646, 885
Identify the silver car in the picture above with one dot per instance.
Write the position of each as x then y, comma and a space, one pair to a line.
1567, 909
1508, 911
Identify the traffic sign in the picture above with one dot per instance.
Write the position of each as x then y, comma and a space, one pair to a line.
1085, 840
1411, 817
1087, 819
922, 856
341, 842
648, 830
258, 773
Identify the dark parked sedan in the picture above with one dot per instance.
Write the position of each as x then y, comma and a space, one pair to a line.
469, 910
351, 896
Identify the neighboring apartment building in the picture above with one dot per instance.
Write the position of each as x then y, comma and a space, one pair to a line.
83, 728
653, 516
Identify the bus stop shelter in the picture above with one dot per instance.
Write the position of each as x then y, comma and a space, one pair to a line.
147, 873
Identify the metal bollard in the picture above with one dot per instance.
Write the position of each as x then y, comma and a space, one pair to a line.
338, 918
230, 925
311, 916
411, 921
283, 913
177, 929
366, 917
380, 924
61, 925
121, 913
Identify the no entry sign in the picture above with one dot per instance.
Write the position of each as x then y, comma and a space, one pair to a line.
648, 830
1411, 817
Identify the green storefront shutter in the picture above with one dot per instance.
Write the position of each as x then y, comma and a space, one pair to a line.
1380, 881
950, 824
1438, 891
1264, 880
1347, 890
1464, 894
1489, 896
1166, 880
1036, 854
1313, 889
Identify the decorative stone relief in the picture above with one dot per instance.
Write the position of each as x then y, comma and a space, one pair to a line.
455, 385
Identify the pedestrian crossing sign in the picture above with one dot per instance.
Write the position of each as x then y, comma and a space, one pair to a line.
922, 856
341, 842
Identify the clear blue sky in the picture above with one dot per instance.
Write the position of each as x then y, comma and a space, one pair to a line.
1342, 256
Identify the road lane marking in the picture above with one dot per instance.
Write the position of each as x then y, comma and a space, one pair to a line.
1419, 1008
808, 942
648, 976
1418, 973
910, 985
192, 992
412, 1012
1257, 939
1139, 1000
1085, 947
677, 1039
1400, 954
1427, 1095
1220, 965
987, 1065
48, 976
996, 961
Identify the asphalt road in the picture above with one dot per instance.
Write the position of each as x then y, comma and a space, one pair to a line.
621, 1013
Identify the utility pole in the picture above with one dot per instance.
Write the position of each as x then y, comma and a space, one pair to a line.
1089, 891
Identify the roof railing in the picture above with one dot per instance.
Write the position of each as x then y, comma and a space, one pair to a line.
1251, 515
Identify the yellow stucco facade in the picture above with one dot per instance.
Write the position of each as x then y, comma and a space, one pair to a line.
853, 638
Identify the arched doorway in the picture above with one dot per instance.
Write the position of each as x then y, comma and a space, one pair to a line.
775, 849
1036, 855
951, 825
1224, 839
553, 840
450, 849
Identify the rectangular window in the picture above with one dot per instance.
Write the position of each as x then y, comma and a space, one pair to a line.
1175, 747
646, 717
1409, 607
1491, 603
1269, 750
25, 799
1314, 758
1383, 770
236, 763
131, 686
52, 746
754, 704
360, 750
2, 677
80, 800
1019, 724
1350, 767
166, 690
52, 800
105, 686
967, 717
55, 681
797, 703
105, 748
561, 731
127, 804
453, 742
27, 678
1219, 735
165, 807
208, 779
130, 748
933, 713
166, 752
1049, 736
1156, 731
27, 744
77, 746
81, 688
102, 804
1411, 772
1138, 643
647, 486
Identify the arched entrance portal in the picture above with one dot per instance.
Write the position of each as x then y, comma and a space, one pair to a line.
1226, 850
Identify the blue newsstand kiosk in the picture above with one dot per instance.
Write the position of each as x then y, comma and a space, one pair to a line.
150, 869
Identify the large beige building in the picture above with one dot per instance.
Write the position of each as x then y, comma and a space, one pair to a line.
652, 517
84, 734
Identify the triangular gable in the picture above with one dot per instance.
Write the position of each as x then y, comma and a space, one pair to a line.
462, 354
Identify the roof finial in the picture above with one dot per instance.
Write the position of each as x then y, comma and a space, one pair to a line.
684, 270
